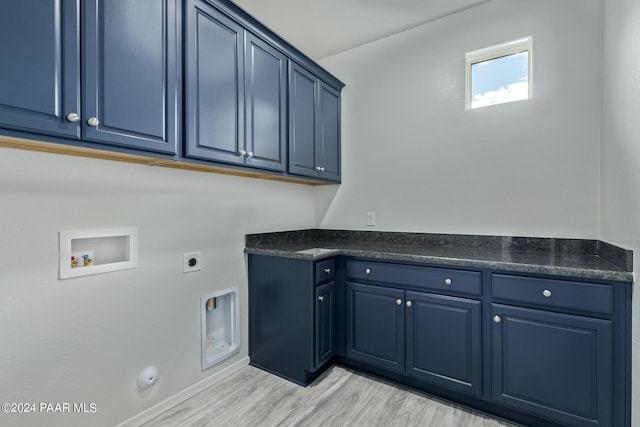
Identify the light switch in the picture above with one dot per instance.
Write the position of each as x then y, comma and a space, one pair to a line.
371, 219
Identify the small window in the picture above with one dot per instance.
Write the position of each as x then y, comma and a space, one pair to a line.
499, 74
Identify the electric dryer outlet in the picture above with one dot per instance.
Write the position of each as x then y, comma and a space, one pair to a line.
191, 262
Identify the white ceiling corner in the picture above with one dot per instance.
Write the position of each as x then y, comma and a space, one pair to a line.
322, 28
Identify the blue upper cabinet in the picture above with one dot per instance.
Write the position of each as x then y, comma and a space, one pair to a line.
328, 148
214, 64
40, 80
303, 100
131, 70
265, 105
314, 126
236, 92
108, 75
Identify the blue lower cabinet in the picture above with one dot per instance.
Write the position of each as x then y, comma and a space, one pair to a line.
325, 323
433, 338
444, 341
557, 366
375, 326
542, 351
291, 320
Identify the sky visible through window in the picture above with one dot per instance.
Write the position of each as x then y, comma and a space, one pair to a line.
499, 80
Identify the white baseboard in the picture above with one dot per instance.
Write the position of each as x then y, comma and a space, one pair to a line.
185, 394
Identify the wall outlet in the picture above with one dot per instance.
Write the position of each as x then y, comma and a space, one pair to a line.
371, 219
191, 262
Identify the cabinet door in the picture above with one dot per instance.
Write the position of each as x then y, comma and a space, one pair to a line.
325, 319
444, 341
328, 148
303, 132
554, 365
131, 66
375, 326
214, 87
39, 82
265, 104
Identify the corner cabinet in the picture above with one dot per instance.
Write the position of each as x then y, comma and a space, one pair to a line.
314, 126
291, 316
125, 98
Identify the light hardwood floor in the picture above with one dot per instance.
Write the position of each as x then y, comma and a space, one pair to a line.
340, 397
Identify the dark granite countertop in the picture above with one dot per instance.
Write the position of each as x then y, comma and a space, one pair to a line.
591, 259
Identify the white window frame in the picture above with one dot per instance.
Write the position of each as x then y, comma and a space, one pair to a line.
494, 52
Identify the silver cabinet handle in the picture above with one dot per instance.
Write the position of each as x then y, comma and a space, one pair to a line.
322, 169
398, 301
321, 298
242, 153
73, 117
93, 121
409, 304
318, 168
327, 270
448, 282
249, 153
367, 271
497, 319
546, 293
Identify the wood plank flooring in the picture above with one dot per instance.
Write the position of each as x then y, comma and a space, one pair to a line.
340, 397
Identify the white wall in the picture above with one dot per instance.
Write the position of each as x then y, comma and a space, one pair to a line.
414, 156
621, 148
86, 339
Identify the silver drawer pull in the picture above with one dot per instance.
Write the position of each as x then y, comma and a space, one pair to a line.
321, 298
398, 301
497, 319
409, 303
546, 293
367, 271
327, 270
448, 282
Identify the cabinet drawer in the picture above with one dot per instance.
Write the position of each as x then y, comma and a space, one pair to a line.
325, 270
467, 282
554, 293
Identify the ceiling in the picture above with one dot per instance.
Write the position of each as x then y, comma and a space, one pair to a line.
322, 28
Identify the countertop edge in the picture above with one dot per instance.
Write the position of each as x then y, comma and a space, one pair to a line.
617, 276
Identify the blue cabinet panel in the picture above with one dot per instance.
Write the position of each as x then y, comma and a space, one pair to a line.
375, 326
444, 341
432, 278
302, 121
131, 73
558, 366
215, 88
40, 80
558, 294
324, 323
281, 316
266, 105
314, 126
328, 148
